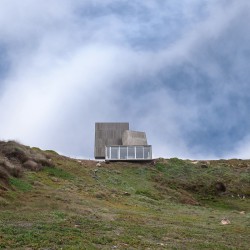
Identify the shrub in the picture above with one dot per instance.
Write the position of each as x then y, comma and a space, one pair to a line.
3, 173
11, 169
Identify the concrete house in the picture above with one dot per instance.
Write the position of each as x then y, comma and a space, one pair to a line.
115, 142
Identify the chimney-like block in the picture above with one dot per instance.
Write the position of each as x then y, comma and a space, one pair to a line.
130, 138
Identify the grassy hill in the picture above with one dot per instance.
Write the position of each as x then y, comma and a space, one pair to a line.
48, 201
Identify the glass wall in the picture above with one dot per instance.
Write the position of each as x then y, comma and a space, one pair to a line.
131, 153
128, 153
114, 153
123, 153
139, 152
147, 153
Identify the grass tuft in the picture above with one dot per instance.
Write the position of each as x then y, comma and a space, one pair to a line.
58, 173
20, 185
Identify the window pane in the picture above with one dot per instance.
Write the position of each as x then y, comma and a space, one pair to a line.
131, 152
139, 152
114, 152
147, 153
123, 153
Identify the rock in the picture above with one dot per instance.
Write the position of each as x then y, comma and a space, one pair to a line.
220, 187
98, 164
126, 194
37, 183
31, 165
54, 179
124, 244
153, 162
241, 196
225, 221
242, 212
204, 166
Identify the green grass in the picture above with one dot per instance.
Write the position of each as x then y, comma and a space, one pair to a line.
184, 174
58, 172
126, 206
20, 184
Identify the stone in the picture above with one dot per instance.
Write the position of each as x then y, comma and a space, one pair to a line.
31, 165
225, 221
126, 194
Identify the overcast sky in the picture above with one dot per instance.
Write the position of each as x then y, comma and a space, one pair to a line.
177, 69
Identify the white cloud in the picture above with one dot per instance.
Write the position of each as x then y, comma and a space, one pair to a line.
71, 61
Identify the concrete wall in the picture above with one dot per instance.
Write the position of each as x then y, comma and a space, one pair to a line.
108, 133
134, 138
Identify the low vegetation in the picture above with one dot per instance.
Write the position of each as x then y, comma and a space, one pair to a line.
48, 201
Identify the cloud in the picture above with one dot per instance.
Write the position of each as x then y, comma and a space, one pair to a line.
177, 70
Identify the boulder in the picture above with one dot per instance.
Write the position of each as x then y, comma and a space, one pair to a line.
31, 165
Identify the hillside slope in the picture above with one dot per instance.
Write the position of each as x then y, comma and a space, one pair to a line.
48, 201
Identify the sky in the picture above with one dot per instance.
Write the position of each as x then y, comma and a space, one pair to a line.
177, 69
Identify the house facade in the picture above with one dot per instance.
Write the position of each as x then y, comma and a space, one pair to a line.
115, 142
